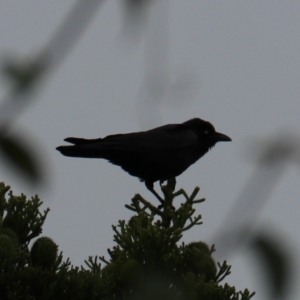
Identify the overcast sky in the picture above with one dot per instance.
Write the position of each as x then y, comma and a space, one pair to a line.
233, 63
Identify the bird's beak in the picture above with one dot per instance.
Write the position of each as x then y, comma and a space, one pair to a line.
220, 137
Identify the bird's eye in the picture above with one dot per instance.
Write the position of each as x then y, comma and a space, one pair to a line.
205, 131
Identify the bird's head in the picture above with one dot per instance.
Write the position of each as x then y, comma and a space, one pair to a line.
206, 132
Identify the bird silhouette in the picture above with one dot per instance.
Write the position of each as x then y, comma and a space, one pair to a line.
158, 154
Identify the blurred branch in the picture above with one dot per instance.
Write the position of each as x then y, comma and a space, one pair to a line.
237, 230
156, 75
27, 75
274, 157
161, 85
135, 17
275, 262
71, 29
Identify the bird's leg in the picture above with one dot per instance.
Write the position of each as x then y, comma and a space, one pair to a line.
150, 187
171, 184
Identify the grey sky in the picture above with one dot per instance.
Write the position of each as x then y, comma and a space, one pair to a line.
233, 63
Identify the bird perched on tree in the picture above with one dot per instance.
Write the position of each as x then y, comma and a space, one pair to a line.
158, 154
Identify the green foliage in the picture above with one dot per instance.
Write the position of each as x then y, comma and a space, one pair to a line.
149, 261
44, 253
21, 216
39, 272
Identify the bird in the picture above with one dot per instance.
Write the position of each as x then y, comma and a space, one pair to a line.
155, 155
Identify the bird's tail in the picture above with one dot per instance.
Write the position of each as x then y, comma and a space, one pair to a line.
83, 148
80, 141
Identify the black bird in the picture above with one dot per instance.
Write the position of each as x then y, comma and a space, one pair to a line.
158, 154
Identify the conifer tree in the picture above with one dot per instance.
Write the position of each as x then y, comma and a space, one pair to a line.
149, 260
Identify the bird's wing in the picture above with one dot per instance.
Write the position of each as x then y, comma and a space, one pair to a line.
167, 137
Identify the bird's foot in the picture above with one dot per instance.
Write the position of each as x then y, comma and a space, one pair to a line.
167, 190
150, 187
